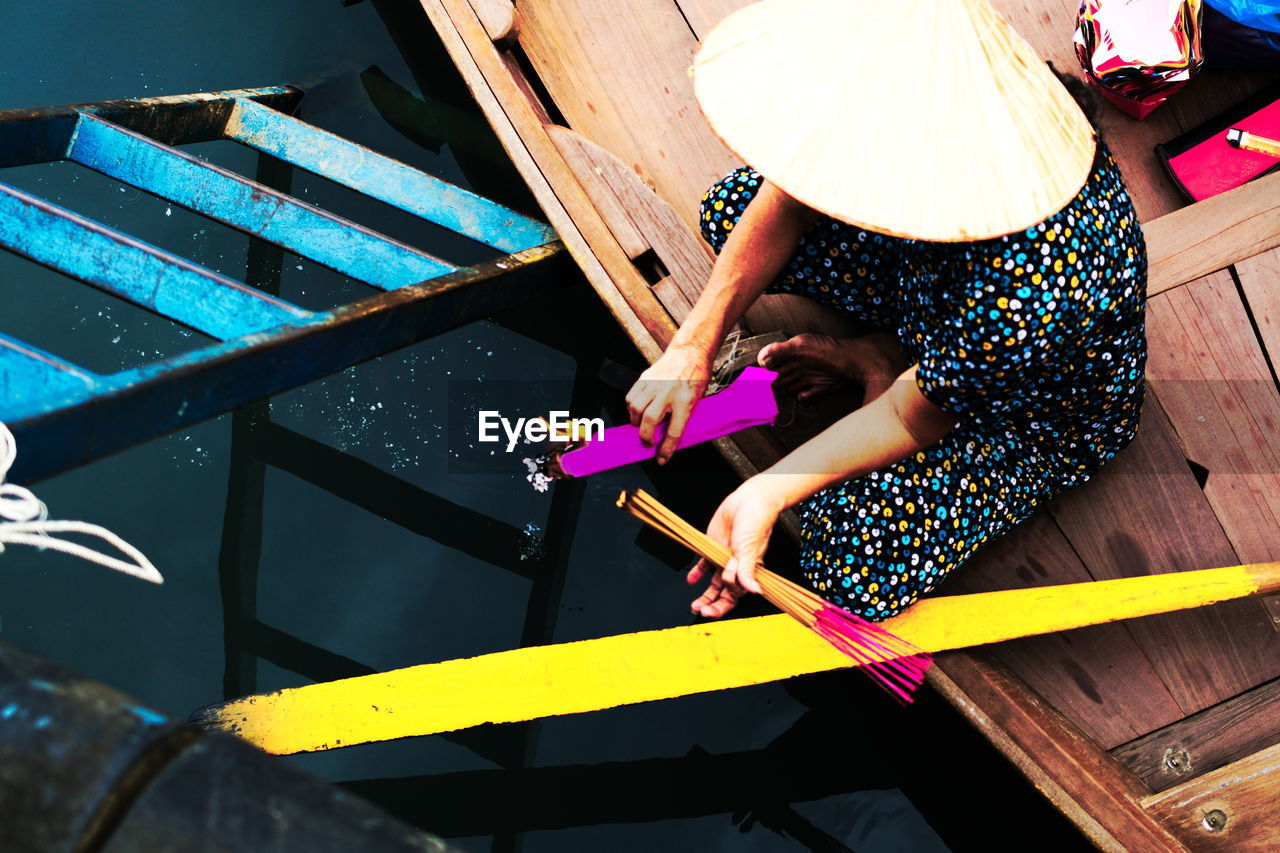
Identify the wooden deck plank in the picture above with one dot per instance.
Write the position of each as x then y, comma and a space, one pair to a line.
1216, 387
702, 15
1086, 784
582, 156
684, 253
620, 77
1231, 810
1097, 677
1199, 239
569, 209
1258, 276
1145, 514
601, 62
1213, 738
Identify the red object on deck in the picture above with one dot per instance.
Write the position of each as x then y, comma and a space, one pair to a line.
1201, 162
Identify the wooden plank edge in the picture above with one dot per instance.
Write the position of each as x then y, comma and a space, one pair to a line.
648, 338
1207, 236
498, 18
1093, 790
1203, 742
1211, 249
755, 454
1231, 809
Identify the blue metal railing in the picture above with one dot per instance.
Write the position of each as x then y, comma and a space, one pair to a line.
64, 414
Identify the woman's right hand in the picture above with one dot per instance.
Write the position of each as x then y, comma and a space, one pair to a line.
669, 388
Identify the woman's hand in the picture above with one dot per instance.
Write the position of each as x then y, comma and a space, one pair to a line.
671, 386
744, 522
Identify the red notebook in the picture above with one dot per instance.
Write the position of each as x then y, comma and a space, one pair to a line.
1202, 164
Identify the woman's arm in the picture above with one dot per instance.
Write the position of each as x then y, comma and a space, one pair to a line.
896, 424
758, 248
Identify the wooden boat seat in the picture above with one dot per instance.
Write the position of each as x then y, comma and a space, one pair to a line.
594, 102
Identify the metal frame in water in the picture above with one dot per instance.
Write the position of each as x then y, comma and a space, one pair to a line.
65, 415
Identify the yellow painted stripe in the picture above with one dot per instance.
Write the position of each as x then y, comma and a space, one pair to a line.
590, 675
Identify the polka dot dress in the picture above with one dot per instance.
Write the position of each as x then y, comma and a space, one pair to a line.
1035, 341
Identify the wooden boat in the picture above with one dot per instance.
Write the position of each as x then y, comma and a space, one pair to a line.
1158, 734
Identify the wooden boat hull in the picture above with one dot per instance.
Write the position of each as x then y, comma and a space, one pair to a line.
593, 103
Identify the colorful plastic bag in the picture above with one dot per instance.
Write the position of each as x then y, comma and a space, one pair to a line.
1230, 44
1139, 52
1258, 14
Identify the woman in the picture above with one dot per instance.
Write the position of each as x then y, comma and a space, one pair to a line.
1006, 367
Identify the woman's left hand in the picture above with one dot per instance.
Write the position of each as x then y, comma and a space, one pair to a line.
744, 522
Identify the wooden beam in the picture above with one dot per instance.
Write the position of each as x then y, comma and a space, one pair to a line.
1212, 234
1231, 810
1083, 782
562, 199
1213, 738
1145, 514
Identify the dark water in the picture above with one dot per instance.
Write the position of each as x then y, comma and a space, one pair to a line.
823, 763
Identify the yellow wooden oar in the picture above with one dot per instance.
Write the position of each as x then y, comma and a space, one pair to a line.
591, 675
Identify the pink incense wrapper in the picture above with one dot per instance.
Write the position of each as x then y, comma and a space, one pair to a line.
745, 403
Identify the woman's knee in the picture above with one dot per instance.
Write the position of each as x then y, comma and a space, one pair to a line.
723, 204
876, 565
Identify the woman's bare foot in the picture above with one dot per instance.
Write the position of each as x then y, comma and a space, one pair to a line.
809, 365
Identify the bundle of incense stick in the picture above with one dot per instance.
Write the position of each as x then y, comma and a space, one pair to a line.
892, 662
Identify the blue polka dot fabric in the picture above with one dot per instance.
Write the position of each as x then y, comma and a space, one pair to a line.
1035, 341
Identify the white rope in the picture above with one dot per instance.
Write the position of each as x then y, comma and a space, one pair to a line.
24, 520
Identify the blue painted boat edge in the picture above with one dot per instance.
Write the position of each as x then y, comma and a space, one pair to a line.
143, 403
31, 378
132, 269
267, 345
31, 135
232, 199
386, 179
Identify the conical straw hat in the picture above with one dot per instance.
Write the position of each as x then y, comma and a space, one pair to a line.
929, 119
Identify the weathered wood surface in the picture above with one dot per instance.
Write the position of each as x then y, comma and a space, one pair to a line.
1201, 238
1213, 738
519, 122
642, 222
1214, 381
498, 18
620, 77
583, 157
656, 225
618, 74
1258, 276
1087, 785
1098, 677
1234, 809
1145, 514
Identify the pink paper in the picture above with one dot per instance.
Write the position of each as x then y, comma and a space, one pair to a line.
747, 402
